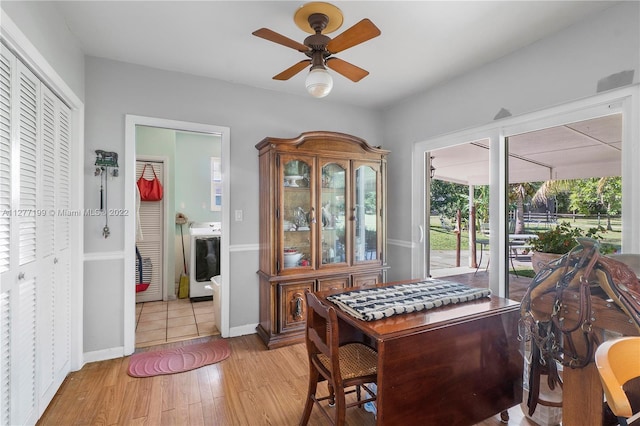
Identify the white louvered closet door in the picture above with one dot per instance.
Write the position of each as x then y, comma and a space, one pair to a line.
20, 120
61, 327
151, 214
53, 293
24, 324
45, 297
7, 69
35, 299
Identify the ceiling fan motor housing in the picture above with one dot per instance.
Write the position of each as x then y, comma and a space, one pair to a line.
317, 41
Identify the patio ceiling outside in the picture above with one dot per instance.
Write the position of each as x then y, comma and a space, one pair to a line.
584, 149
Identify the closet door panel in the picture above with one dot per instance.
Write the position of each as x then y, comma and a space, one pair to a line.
45, 304
62, 263
5, 357
7, 67
45, 221
7, 239
29, 88
53, 352
151, 215
63, 181
23, 356
61, 321
47, 203
25, 184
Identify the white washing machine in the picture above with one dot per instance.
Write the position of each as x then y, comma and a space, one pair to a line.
204, 258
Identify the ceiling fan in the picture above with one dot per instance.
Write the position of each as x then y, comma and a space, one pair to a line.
319, 19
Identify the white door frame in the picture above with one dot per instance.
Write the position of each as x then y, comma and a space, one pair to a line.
131, 121
625, 100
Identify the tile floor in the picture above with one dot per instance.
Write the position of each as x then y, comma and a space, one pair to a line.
161, 322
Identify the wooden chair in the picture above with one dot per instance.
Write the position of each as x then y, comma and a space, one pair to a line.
618, 361
346, 367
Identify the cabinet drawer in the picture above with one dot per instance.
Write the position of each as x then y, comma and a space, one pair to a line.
293, 308
366, 280
333, 283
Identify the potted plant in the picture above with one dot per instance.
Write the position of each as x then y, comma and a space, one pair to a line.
552, 244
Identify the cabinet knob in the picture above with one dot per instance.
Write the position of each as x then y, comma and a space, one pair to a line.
298, 307
55, 260
21, 276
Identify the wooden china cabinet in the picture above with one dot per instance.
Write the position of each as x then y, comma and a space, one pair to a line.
322, 224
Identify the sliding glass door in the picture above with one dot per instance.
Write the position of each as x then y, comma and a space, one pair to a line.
562, 181
564, 177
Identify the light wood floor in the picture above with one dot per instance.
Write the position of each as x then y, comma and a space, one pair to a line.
254, 386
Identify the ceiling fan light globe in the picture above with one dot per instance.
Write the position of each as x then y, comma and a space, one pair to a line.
319, 83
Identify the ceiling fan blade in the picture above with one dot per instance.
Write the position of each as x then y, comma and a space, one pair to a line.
348, 70
359, 33
273, 36
293, 70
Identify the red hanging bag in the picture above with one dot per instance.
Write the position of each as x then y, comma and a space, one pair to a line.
150, 190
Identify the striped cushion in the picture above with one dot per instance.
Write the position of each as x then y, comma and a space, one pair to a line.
382, 302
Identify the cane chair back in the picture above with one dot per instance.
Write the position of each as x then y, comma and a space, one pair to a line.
346, 367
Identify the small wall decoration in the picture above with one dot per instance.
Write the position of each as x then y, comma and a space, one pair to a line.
106, 165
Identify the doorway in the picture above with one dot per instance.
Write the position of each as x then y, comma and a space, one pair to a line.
165, 131
563, 177
458, 225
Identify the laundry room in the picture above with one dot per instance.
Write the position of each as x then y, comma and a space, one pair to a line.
178, 234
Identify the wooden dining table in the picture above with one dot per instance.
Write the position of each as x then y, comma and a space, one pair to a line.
456, 365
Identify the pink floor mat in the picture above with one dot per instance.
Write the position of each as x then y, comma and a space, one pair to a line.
184, 358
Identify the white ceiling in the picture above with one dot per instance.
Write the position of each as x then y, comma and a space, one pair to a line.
423, 43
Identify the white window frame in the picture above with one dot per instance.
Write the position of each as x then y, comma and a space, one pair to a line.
624, 100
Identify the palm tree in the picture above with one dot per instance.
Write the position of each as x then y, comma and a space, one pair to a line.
518, 192
550, 189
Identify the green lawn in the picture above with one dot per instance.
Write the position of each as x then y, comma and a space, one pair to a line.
441, 239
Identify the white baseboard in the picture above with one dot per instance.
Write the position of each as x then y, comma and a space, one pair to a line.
103, 355
242, 330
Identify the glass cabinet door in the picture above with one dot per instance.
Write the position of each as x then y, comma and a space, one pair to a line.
297, 215
332, 218
366, 216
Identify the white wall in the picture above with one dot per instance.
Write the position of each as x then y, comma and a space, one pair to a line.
114, 89
555, 70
